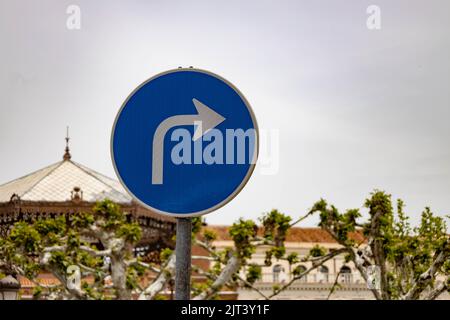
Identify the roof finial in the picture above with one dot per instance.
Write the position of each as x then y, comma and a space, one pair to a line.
67, 155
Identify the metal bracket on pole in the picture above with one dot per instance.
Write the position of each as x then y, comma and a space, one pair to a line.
183, 259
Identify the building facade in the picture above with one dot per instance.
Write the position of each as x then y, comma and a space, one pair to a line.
314, 286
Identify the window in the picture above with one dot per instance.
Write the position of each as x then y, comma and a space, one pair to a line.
323, 274
277, 270
346, 274
300, 270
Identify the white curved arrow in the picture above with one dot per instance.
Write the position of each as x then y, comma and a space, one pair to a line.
205, 119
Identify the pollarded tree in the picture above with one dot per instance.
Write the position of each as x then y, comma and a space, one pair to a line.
413, 263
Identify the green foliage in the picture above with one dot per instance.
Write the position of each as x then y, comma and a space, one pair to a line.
26, 237
379, 202
446, 267
165, 254
109, 215
276, 288
276, 225
254, 273
81, 257
197, 223
278, 252
347, 258
405, 252
298, 270
215, 269
242, 233
209, 236
60, 260
51, 228
317, 251
37, 292
340, 225
131, 232
199, 287
82, 220
30, 268
133, 274
268, 258
382, 217
73, 240
401, 226
293, 258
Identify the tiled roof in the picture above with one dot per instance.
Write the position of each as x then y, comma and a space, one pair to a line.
295, 234
43, 280
56, 182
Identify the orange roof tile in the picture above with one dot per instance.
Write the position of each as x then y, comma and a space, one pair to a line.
44, 280
295, 234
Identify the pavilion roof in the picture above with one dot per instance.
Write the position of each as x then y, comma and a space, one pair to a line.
56, 183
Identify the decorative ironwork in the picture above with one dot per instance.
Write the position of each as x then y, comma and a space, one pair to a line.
67, 156
76, 194
156, 233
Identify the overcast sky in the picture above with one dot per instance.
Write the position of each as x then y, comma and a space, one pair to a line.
356, 109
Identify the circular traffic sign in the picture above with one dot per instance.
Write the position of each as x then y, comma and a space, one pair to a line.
184, 142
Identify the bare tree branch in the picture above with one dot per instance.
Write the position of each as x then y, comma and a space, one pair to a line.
167, 271
252, 287
301, 218
425, 279
438, 290
316, 262
335, 284
96, 253
231, 268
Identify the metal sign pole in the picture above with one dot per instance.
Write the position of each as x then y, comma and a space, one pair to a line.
183, 259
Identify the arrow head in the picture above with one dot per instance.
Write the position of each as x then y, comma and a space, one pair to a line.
207, 117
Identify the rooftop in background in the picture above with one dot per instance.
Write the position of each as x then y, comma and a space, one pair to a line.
295, 234
56, 183
63, 181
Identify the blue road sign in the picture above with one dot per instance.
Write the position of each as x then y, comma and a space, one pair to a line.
185, 142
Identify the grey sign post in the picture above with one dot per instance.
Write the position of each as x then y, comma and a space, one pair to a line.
183, 259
